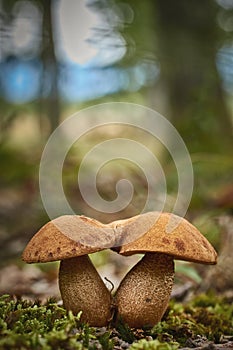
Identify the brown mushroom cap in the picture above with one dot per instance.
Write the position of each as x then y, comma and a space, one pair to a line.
184, 242
66, 237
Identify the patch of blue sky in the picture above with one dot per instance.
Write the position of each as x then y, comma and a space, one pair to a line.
20, 80
80, 84
224, 62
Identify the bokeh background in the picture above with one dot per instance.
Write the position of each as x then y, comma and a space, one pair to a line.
58, 57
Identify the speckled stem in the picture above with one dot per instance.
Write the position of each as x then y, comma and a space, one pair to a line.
144, 293
82, 288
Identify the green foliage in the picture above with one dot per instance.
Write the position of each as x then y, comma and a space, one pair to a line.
143, 344
185, 269
15, 166
125, 332
206, 315
26, 325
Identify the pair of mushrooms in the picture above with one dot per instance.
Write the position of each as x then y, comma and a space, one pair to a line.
143, 295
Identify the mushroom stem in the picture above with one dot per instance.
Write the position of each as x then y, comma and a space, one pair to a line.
144, 293
82, 289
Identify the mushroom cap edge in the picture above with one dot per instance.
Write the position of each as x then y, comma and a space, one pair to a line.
53, 241
185, 242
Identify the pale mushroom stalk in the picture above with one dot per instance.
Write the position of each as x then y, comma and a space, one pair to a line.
144, 293
82, 289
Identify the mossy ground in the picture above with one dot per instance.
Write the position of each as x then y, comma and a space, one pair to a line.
32, 325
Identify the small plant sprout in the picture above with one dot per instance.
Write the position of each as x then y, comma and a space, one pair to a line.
143, 295
70, 238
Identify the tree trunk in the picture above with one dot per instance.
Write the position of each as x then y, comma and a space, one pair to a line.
220, 276
50, 106
188, 40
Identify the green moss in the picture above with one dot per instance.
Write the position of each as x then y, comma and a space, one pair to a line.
207, 315
28, 325
153, 345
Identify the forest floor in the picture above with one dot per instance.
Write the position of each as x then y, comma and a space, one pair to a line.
204, 322
31, 320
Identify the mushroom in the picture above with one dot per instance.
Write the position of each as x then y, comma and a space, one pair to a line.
70, 238
143, 295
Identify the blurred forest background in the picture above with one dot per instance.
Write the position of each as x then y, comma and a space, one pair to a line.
57, 57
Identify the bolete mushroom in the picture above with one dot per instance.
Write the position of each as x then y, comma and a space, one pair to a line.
70, 238
143, 295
